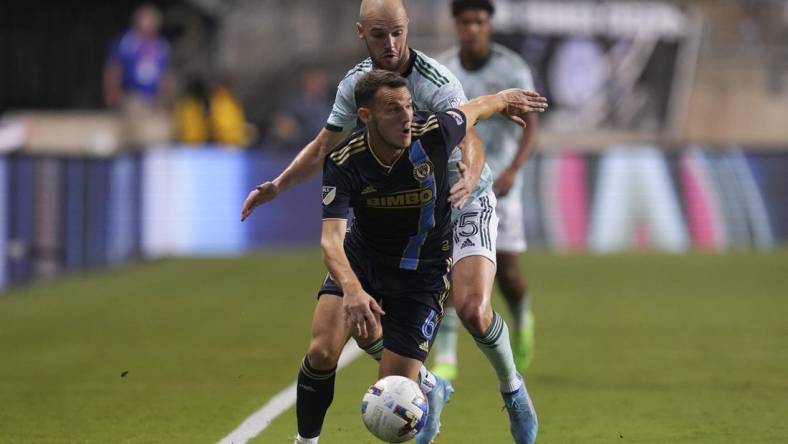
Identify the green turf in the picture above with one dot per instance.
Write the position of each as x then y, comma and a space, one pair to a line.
635, 348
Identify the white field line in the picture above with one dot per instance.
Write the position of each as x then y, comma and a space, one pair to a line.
259, 420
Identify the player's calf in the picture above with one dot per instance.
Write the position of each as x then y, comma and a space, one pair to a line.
515, 291
314, 395
510, 278
315, 390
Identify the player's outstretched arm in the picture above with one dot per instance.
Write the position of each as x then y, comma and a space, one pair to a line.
306, 163
360, 308
513, 103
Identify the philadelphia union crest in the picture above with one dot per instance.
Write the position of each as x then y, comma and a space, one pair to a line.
422, 170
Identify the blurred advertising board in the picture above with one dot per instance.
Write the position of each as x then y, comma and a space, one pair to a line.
60, 215
605, 64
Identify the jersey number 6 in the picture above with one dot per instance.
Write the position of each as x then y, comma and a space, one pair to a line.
428, 328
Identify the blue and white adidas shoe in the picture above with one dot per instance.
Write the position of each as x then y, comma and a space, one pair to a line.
522, 415
437, 397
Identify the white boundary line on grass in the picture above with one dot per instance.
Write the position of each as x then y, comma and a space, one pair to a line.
259, 420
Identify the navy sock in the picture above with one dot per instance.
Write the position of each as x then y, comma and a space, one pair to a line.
314, 395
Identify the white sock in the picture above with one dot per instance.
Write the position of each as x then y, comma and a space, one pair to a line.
445, 345
300, 440
495, 346
427, 380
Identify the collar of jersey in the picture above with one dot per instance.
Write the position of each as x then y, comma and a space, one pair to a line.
388, 168
411, 62
481, 65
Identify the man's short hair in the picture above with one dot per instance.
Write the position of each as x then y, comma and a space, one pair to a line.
458, 6
371, 82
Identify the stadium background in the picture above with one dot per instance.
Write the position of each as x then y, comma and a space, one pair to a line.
662, 167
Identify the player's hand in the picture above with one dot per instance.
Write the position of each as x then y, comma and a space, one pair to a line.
520, 102
503, 184
461, 191
261, 194
361, 312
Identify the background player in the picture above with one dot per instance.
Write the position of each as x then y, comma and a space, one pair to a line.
483, 67
394, 175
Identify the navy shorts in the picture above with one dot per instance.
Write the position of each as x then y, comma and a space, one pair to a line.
413, 302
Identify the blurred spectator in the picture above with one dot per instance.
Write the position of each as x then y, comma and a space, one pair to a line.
137, 80
191, 114
304, 115
203, 116
138, 63
227, 117
283, 134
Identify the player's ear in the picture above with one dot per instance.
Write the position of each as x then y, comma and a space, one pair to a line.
360, 30
364, 115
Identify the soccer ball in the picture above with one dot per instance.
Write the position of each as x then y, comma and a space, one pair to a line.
394, 409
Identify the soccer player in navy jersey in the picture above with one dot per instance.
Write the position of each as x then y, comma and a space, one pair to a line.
392, 267
383, 27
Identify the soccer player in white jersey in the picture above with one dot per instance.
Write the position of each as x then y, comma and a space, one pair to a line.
383, 28
483, 66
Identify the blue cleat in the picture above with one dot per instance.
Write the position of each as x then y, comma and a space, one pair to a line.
522, 415
437, 397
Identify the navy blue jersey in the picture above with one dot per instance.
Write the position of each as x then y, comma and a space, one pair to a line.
402, 213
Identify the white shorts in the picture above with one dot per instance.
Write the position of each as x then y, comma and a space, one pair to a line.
511, 231
476, 229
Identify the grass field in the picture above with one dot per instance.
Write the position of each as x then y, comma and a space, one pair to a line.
630, 349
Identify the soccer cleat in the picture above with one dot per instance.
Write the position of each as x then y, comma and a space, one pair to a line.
437, 399
445, 370
523, 344
522, 415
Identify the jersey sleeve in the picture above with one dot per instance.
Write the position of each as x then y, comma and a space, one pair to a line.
343, 113
452, 124
451, 95
336, 191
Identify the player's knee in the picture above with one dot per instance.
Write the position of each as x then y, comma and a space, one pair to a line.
322, 356
475, 318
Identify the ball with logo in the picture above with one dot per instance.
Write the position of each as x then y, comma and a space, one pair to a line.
394, 409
